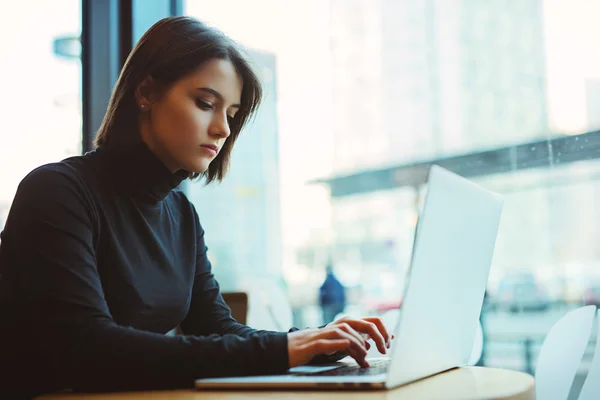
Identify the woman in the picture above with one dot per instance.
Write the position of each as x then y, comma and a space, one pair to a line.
100, 256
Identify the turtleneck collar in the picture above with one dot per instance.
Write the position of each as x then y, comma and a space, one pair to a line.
141, 172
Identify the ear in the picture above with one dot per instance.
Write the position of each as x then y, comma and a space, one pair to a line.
144, 93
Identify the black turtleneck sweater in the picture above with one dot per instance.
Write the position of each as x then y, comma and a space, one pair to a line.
99, 258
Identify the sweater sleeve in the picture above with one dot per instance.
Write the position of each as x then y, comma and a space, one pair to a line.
52, 239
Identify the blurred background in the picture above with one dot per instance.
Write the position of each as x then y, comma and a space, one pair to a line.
361, 97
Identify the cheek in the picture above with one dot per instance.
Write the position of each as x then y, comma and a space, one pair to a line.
179, 123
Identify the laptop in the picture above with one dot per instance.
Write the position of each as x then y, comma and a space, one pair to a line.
446, 282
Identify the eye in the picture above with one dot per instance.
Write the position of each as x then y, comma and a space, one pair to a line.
203, 104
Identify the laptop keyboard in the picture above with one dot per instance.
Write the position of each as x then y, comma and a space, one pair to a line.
376, 367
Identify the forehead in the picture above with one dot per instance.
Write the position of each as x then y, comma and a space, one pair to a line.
219, 75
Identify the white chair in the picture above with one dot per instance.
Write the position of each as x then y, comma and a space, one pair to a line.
477, 346
561, 354
591, 387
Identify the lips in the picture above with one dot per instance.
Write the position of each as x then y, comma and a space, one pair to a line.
211, 146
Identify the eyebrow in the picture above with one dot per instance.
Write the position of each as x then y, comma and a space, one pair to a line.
217, 95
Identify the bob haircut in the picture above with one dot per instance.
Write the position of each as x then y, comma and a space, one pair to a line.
170, 50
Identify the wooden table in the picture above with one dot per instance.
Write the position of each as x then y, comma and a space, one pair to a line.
460, 383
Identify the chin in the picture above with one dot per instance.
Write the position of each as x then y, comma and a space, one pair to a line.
198, 167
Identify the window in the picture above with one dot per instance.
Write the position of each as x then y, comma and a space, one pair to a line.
41, 81
532, 98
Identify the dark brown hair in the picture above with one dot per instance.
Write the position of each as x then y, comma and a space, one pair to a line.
171, 49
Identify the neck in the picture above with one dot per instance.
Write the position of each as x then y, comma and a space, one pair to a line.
141, 173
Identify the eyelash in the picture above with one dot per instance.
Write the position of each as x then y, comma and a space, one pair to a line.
206, 106
203, 105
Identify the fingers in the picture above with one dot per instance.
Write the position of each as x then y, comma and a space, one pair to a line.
355, 348
372, 330
382, 329
350, 330
365, 328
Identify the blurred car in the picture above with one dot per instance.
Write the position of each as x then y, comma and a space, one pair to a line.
591, 296
522, 292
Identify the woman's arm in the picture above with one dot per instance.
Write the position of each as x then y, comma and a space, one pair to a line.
49, 239
209, 314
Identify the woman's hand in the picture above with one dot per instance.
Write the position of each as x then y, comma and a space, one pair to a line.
369, 328
346, 335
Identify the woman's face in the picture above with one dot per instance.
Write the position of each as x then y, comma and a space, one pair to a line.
187, 125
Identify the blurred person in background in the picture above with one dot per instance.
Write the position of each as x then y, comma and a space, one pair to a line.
332, 295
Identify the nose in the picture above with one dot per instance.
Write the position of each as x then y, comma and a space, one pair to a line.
220, 125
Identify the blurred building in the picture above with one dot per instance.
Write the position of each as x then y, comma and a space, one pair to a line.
424, 78
419, 80
241, 215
